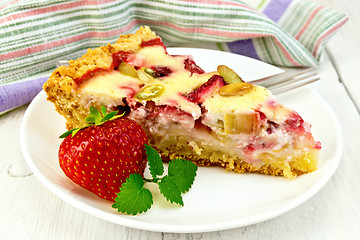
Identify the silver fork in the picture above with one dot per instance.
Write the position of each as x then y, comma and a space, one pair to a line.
288, 80
282, 82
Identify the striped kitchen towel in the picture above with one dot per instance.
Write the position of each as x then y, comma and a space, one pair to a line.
35, 34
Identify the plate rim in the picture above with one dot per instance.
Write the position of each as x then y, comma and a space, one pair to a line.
133, 223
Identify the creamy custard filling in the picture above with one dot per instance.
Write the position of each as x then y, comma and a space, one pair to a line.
109, 86
264, 147
253, 126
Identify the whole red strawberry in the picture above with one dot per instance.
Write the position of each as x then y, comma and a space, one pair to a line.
102, 156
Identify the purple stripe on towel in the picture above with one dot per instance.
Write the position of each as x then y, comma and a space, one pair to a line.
243, 47
19, 93
276, 8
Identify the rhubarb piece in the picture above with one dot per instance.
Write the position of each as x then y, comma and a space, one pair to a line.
237, 123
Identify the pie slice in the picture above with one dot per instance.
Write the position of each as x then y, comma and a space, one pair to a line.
209, 118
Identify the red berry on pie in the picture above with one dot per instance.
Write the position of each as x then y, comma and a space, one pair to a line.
206, 89
191, 66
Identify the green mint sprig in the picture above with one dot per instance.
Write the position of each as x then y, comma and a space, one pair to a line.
134, 198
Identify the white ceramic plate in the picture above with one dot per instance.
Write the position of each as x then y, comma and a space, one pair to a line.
218, 200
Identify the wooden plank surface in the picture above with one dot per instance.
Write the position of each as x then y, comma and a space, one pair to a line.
344, 49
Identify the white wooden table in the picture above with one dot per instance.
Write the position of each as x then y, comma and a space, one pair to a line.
30, 211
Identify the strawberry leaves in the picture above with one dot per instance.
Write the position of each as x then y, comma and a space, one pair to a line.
134, 198
95, 118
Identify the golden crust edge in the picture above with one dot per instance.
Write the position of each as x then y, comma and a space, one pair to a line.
240, 166
61, 88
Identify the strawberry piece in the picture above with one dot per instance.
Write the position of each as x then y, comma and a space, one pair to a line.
152, 42
207, 89
172, 112
161, 71
100, 158
89, 74
191, 66
119, 57
295, 124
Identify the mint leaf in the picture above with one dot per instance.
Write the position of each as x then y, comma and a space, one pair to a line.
170, 190
155, 163
133, 198
183, 173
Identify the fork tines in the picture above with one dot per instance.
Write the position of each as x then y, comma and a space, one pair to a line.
289, 80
